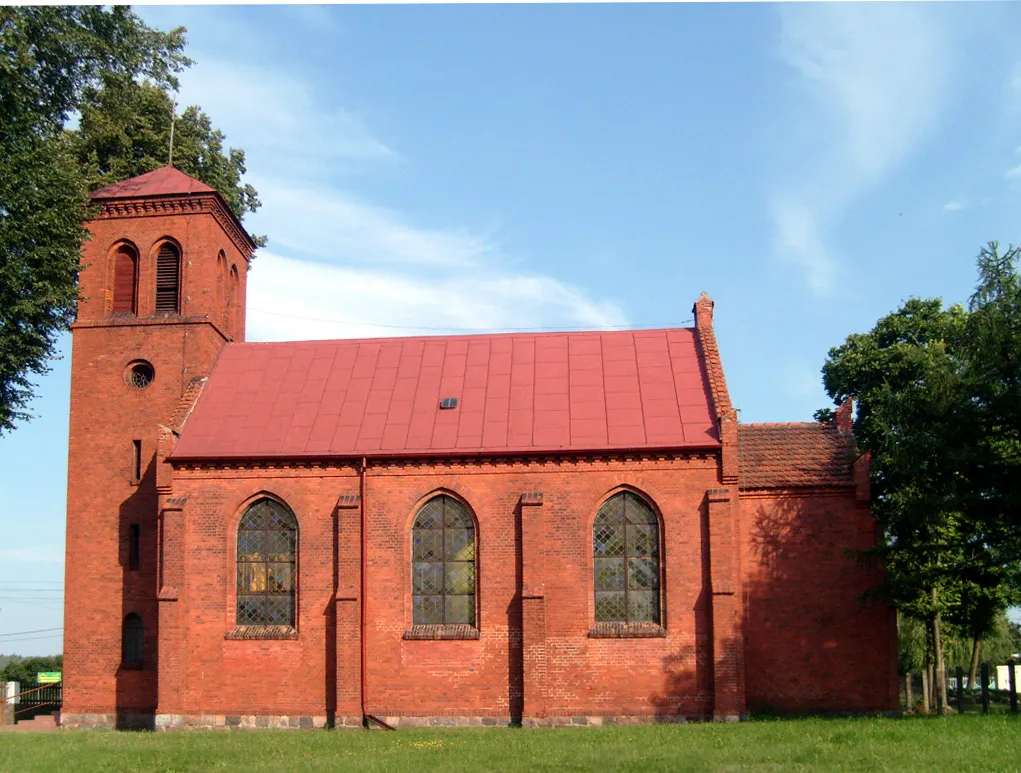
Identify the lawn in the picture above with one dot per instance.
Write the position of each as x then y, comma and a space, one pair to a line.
958, 744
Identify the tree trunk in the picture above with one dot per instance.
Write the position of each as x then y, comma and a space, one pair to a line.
941, 668
925, 689
976, 653
907, 692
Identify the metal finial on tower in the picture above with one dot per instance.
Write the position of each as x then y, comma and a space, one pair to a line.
173, 120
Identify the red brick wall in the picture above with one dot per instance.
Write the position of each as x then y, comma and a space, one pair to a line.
200, 239
810, 645
107, 414
583, 676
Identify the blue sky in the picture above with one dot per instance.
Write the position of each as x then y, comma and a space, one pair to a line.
430, 168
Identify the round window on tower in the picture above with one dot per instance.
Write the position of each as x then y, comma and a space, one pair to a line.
139, 374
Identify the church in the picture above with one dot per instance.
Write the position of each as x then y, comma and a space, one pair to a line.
535, 529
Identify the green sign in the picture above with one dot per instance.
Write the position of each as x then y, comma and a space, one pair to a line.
48, 677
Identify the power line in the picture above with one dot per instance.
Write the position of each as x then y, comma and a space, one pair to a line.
27, 599
37, 630
31, 590
545, 328
31, 638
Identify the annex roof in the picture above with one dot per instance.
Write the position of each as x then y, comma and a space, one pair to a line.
516, 393
797, 454
165, 181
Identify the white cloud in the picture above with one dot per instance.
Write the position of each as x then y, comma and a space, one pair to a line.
955, 206
334, 224
1014, 173
798, 238
874, 76
333, 255
292, 299
283, 124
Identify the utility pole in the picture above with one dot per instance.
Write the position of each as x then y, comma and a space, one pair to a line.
173, 120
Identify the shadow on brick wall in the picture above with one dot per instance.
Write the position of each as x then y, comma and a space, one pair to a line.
812, 646
688, 672
136, 687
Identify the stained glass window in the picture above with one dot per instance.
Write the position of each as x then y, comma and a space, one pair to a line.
625, 561
267, 551
443, 564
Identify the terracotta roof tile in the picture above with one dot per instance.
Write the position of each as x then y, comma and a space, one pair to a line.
517, 393
801, 454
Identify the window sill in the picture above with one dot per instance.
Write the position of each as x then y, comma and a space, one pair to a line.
261, 632
627, 631
444, 632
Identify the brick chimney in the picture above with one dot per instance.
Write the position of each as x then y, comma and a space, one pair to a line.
703, 311
844, 416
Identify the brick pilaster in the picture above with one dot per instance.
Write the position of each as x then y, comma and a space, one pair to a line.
727, 612
533, 605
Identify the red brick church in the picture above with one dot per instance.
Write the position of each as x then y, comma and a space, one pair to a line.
545, 529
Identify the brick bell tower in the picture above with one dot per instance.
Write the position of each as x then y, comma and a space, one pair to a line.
163, 284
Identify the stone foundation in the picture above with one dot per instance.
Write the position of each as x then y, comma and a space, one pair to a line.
243, 722
284, 722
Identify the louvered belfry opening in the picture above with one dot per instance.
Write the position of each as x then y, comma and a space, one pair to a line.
168, 278
125, 263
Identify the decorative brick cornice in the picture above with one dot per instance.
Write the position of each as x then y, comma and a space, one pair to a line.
187, 204
187, 403
710, 351
449, 463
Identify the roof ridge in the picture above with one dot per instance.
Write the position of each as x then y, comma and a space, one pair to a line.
782, 424
448, 336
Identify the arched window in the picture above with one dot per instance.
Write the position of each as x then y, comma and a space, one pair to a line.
267, 553
234, 304
443, 564
221, 290
625, 561
125, 279
132, 641
168, 278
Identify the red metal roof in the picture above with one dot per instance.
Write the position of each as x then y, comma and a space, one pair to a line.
516, 393
801, 454
165, 181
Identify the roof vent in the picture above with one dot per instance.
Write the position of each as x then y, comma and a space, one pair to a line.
447, 403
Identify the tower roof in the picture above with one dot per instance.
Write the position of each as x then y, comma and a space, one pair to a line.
165, 181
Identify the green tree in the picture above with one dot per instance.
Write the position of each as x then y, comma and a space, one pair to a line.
939, 408
49, 57
125, 130
994, 376
26, 670
118, 73
906, 375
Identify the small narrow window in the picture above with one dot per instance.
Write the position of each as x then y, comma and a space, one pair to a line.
125, 279
234, 310
625, 547
168, 278
132, 655
133, 534
136, 461
443, 564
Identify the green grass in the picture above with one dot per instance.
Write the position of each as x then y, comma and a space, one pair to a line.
958, 744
